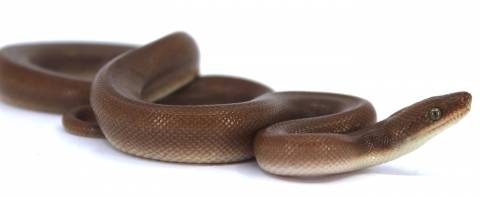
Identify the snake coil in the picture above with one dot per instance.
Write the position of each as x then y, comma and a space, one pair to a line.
151, 102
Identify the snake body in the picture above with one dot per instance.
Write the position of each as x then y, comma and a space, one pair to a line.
151, 102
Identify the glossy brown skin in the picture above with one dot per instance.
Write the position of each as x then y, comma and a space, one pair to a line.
53, 77
310, 153
151, 102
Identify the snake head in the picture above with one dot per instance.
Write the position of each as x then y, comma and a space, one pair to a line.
439, 111
447, 108
442, 111
412, 126
419, 122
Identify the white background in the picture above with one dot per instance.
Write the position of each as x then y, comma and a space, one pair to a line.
393, 53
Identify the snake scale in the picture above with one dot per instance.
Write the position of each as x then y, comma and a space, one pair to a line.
151, 102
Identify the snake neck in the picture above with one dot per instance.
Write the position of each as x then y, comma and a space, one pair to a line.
392, 138
384, 142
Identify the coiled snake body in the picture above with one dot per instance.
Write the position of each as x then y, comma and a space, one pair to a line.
151, 102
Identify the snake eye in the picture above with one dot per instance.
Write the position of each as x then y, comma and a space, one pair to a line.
435, 114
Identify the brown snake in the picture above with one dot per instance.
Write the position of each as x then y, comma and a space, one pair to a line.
151, 102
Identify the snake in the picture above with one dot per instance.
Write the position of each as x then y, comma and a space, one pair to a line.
151, 101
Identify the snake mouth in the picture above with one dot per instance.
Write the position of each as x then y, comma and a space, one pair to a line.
452, 119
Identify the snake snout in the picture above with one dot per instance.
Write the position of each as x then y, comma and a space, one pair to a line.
464, 98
